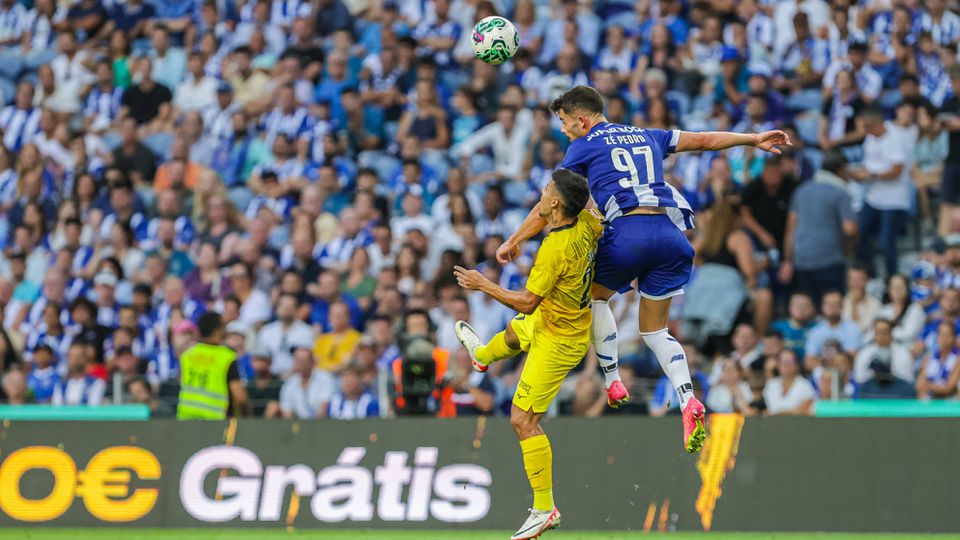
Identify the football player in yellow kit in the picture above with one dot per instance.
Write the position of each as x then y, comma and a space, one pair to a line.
553, 327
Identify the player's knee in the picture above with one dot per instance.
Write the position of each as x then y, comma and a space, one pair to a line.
524, 423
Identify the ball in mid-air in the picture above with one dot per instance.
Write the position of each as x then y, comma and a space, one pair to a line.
495, 40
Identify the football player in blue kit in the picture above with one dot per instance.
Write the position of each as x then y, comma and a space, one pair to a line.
644, 238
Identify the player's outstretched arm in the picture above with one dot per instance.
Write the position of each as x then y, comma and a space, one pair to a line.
523, 301
532, 225
691, 141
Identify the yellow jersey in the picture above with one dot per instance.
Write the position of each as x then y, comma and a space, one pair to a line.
563, 273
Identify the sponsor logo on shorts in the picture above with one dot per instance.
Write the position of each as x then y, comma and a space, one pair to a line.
611, 337
676, 358
524, 386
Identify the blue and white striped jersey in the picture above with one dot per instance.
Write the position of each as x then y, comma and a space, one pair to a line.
624, 167
19, 126
294, 125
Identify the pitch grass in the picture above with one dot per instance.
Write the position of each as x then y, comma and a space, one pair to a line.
15, 533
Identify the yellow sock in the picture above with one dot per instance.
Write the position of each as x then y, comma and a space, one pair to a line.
538, 462
497, 349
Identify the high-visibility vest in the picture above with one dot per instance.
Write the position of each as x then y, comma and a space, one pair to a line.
204, 393
446, 408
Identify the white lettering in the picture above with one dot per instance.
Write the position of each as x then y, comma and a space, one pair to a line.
239, 493
461, 484
275, 482
391, 477
418, 502
346, 490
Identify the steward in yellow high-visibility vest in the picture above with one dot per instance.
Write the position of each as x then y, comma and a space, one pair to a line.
209, 378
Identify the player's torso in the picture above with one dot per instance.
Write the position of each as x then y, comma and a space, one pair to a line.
624, 166
565, 311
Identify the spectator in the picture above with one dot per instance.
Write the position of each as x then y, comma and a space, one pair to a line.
308, 391
352, 400
334, 349
789, 393
277, 339
15, 388
142, 393
731, 394
883, 356
887, 194
264, 388
473, 393
725, 243
43, 378
766, 206
820, 220
254, 303
950, 187
858, 305
507, 137
938, 374
907, 316
78, 388
932, 149
832, 326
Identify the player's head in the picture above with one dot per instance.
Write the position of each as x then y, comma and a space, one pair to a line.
579, 109
567, 192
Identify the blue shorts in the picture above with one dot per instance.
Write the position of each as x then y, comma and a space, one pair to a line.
649, 248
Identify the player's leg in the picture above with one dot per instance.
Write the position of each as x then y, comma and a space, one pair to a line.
658, 285
611, 275
505, 344
544, 370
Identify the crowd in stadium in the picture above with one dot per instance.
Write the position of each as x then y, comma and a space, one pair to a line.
313, 170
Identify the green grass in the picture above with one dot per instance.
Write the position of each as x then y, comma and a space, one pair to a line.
273, 534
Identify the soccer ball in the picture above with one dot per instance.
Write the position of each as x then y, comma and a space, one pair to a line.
495, 40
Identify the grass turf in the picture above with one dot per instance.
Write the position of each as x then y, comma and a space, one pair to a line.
12, 533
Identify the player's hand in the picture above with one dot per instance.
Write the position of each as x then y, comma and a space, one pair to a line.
507, 252
468, 279
770, 140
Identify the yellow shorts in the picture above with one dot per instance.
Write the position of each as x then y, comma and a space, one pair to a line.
549, 359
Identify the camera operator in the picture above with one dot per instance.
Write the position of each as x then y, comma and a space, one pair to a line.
421, 373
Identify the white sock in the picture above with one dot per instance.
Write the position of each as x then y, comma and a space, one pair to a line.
672, 360
603, 333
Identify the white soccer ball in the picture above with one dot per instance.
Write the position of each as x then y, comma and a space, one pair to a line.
495, 40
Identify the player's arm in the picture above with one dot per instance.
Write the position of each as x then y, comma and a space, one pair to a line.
530, 227
690, 141
523, 301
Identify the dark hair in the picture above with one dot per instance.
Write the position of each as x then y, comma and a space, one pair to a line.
578, 98
573, 191
858, 47
862, 267
209, 323
834, 161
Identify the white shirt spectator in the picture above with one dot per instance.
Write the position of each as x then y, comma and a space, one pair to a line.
400, 225
276, 340
508, 148
495, 315
193, 95
897, 355
307, 402
777, 401
720, 399
867, 311
880, 154
255, 310
907, 329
